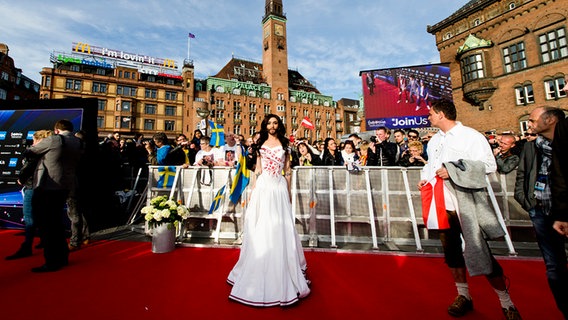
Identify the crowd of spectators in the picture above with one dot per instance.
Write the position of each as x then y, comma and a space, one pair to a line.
404, 148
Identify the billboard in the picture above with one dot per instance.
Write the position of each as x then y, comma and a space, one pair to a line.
18, 122
400, 98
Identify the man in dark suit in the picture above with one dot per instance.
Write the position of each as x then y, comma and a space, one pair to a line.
54, 177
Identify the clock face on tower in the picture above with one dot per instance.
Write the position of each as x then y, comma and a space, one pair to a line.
266, 32
278, 30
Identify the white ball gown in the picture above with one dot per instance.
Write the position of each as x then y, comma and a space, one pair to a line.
271, 267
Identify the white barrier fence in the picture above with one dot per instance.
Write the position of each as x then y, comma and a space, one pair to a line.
331, 204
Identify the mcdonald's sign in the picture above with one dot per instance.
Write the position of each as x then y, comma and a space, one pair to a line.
81, 46
169, 63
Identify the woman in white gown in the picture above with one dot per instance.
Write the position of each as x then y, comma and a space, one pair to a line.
271, 267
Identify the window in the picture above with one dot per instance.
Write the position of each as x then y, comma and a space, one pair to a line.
280, 96
280, 108
266, 109
126, 106
101, 105
169, 125
170, 95
127, 74
5, 76
125, 122
151, 93
3, 94
472, 67
99, 87
100, 121
524, 95
47, 82
447, 36
126, 91
553, 88
150, 109
512, 6
101, 72
149, 124
514, 57
476, 22
553, 45
71, 84
170, 110
75, 68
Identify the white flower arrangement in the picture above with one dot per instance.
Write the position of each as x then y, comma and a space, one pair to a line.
164, 210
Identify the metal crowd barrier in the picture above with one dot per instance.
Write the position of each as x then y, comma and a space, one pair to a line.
330, 204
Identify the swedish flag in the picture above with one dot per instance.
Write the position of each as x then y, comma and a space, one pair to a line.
217, 200
241, 179
217, 134
166, 179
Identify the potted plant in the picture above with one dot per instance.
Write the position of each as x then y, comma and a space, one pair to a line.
163, 216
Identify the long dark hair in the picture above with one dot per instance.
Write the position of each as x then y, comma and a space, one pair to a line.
280, 134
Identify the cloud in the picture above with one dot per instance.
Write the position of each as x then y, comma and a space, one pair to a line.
329, 42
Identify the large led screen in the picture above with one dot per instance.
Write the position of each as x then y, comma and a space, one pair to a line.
400, 98
18, 122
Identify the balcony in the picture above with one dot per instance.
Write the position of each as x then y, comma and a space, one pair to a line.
238, 121
478, 91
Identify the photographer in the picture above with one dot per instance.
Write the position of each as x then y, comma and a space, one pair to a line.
381, 151
208, 156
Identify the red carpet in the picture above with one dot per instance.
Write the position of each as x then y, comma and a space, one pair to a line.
125, 280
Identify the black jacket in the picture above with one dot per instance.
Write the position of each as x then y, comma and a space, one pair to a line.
559, 172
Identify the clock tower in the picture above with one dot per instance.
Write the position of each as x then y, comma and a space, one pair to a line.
275, 54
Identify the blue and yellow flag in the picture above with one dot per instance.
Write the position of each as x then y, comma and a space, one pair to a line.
167, 175
241, 178
217, 134
217, 200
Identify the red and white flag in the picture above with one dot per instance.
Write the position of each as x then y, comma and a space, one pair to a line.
434, 205
307, 123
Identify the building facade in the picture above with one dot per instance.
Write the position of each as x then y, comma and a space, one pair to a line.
13, 84
140, 94
506, 58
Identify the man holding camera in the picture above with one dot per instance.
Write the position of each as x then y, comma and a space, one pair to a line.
381, 151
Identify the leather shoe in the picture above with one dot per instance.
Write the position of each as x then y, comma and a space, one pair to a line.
45, 268
460, 306
21, 253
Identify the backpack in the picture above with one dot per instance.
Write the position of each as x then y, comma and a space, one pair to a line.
175, 157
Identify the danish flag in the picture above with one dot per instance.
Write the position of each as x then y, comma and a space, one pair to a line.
433, 205
307, 123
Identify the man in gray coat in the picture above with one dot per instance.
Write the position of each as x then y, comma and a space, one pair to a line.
54, 177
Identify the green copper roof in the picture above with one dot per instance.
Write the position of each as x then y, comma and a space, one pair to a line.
473, 42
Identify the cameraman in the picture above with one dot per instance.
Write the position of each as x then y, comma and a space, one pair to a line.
381, 151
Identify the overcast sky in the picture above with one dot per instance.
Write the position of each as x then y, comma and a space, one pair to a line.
329, 41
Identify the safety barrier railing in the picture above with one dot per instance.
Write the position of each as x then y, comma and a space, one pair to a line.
330, 204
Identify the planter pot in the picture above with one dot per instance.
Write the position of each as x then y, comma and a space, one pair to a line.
163, 238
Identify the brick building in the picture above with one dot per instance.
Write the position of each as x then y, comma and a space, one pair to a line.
144, 94
506, 58
13, 84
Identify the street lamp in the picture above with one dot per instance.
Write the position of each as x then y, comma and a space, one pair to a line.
203, 112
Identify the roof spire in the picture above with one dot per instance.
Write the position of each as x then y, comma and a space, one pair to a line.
274, 7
